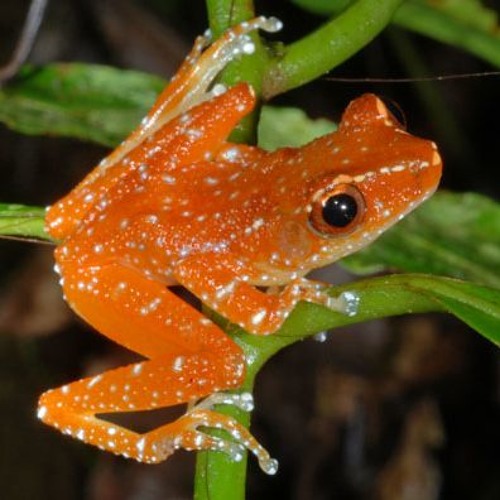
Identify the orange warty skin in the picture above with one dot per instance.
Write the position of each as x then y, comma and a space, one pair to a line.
177, 203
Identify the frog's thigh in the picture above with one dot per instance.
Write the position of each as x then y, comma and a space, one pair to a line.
142, 314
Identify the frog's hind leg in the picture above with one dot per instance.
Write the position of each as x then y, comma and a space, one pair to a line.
189, 357
75, 410
192, 84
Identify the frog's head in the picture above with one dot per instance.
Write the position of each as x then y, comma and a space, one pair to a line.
359, 181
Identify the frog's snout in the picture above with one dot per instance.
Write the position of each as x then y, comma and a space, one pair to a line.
430, 171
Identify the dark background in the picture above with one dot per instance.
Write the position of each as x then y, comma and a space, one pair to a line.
401, 405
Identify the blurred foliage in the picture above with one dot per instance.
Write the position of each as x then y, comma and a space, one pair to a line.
467, 24
91, 102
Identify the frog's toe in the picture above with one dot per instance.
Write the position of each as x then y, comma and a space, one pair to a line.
195, 436
244, 401
348, 303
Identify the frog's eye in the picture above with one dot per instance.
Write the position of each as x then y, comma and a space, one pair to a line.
337, 211
395, 111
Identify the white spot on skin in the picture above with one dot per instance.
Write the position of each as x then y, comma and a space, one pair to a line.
436, 159
178, 363
185, 118
258, 317
56, 222
141, 444
194, 133
211, 181
398, 168
94, 381
168, 179
257, 223
231, 154
42, 412
225, 290
151, 307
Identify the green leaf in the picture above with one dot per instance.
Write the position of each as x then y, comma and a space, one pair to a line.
452, 234
470, 13
323, 7
96, 103
467, 24
476, 305
281, 127
22, 221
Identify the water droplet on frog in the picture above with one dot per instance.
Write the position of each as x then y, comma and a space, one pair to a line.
321, 336
235, 451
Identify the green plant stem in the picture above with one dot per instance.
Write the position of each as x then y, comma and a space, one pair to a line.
328, 46
435, 20
222, 14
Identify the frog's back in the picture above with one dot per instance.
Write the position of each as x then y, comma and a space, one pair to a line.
192, 137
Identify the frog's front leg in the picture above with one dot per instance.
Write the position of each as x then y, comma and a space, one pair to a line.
231, 295
188, 357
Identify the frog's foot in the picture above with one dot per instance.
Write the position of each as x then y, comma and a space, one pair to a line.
313, 291
191, 434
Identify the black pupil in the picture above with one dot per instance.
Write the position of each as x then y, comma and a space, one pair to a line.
340, 210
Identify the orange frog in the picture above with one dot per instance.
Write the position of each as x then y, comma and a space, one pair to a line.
176, 203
